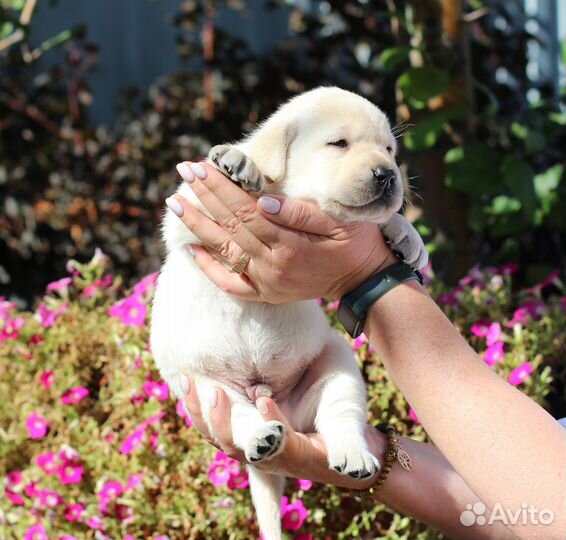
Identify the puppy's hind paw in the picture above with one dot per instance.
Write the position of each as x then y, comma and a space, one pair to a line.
266, 442
237, 166
356, 463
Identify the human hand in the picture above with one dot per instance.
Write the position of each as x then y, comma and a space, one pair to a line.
304, 455
296, 251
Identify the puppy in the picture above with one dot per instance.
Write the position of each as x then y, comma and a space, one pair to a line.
326, 145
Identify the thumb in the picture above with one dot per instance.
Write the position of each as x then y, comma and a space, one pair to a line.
294, 214
270, 411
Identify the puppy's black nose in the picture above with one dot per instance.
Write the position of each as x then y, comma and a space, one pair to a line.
384, 176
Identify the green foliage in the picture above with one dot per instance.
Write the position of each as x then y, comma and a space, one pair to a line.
80, 337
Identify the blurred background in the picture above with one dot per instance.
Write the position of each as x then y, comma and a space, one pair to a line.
100, 99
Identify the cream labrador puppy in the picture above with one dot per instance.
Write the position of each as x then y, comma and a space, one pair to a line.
326, 145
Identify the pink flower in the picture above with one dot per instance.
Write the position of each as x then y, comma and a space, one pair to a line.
137, 399
74, 395
74, 512
14, 478
153, 419
219, 473
50, 498
11, 329
156, 390
15, 498
494, 353
133, 440
111, 490
520, 316
67, 537
305, 485
238, 480
134, 481
493, 333
521, 373
61, 285
294, 515
6, 308
413, 416
31, 490
333, 306
36, 532
359, 342
148, 283
47, 379
123, 512
130, 310
68, 453
70, 473
480, 329
37, 426
183, 413
95, 522
508, 269
47, 317
101, 283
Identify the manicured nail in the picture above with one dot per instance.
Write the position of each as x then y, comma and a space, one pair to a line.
213, 398
269, 204
261, 405
175, 206
199, 170
186, 172
190, 250
185, 384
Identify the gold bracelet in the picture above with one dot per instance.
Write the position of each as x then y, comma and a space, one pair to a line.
394, 452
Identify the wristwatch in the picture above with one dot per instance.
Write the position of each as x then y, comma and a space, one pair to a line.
352, 310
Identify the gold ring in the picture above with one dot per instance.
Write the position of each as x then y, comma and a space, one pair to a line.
240, 266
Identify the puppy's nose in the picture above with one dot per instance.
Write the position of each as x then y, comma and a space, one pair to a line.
384, 176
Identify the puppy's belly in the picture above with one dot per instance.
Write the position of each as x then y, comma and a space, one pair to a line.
252, 347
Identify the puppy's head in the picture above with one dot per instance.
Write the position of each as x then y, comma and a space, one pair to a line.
336, 148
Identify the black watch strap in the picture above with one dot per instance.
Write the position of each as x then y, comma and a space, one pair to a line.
353, 307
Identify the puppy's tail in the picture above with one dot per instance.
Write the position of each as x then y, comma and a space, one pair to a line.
266, 490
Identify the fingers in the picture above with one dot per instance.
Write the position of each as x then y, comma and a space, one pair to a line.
233, 208
221, 418
230, 282
294, 214
192, 403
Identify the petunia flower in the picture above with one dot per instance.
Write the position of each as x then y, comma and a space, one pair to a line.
123, 512
305, 485
31, 490
239, 480
95, 522
493, 334
480, 329
14, 478
73, 512
11, 329
36, 532
218, 473
62, 285
68, 453
156, 390
146, 284
47, 317
133, 441
36, 425
494, 353
413, 416
70, 473
111, 490
131, 310
15, 498
74, 395
47, 379
50, 498
134, 481
520, 374
184, 413
294, 515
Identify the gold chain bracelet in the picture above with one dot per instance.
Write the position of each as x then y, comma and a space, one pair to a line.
394, 452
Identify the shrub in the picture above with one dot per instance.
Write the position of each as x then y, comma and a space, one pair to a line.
92, 447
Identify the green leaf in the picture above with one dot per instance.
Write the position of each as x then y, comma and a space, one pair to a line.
548, 181
425, 133
6, 29
519, 178
421, 84
390, 58
473, 168
503, 204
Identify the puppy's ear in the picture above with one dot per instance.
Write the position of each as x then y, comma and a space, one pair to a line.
269, 146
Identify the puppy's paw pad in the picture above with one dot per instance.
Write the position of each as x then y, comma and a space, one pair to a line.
266, 442
405, 241
357, 464
237, 166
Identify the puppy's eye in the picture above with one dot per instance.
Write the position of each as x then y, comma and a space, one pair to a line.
389, 149
341, 143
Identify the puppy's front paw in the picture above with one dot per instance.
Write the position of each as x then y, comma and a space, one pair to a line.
266, 442
357, 463
405, 240
237, 166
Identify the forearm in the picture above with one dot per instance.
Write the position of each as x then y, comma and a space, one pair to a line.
505, 447
432, 492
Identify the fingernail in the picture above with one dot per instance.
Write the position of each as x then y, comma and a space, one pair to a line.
175, 206
185, 384
190, 250
269, 204
213, 398
199, 170
186, 173
261, 405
